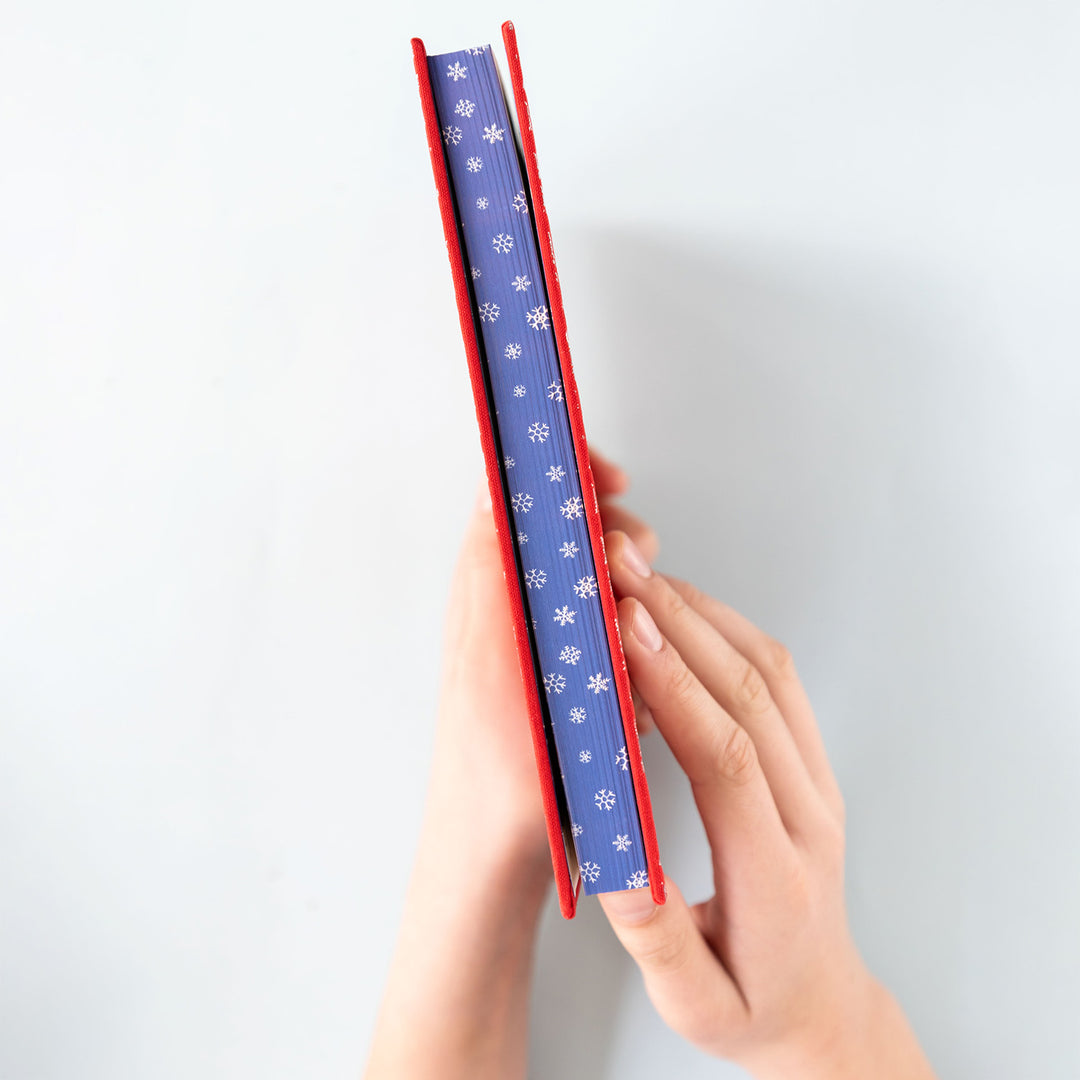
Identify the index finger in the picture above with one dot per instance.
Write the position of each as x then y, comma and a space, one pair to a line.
749, 842
610, 478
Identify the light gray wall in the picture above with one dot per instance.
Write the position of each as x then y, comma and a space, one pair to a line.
820, 267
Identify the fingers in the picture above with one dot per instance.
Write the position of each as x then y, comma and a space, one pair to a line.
608, 477
614, 516
735, 684
690, 986
774, 663
741, 820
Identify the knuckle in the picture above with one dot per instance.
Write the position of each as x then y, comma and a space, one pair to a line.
664, 953
737, 760
779, 659
681, 683
751, 693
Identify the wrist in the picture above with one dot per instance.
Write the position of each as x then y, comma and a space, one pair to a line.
865, 1034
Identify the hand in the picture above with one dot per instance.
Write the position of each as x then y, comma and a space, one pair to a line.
484, 754
764, 972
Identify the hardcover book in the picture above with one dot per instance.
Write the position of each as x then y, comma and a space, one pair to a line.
483, 155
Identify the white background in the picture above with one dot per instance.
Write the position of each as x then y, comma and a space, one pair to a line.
820, 267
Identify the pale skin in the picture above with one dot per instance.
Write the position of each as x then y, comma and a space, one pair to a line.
764, 972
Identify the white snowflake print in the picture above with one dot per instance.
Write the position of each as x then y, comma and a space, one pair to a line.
577, 715
586, 587
451, 135
502, 243
475, 270
572, 508
493, 133
522, 502
537, 318
482, 203
622, 843
478, 50
564, 615
465, 108
520, 203
456, 71
513, 351
585, 757
590, 872
508, 462
523, 538
569, 549
604, 799
539, 432
519, 390
570, 654
554, 683
638, 879
576, 829
535, 579
622, 759
555, 473
520, 283
489, 311
474, 164
555, 391
598, 682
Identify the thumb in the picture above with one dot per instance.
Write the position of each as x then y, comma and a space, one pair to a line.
687, 983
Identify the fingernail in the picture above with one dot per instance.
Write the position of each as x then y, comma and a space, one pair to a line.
629, 906
635, 560
645, 629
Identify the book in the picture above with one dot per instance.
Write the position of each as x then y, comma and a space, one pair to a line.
483, 155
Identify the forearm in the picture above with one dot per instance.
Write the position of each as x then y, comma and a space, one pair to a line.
456, 1000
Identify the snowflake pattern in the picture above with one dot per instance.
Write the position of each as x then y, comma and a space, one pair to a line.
538, 318
570, 643
638, 879
564, 615
586, 587
554, 683
598, 682
604, 799
572, 508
